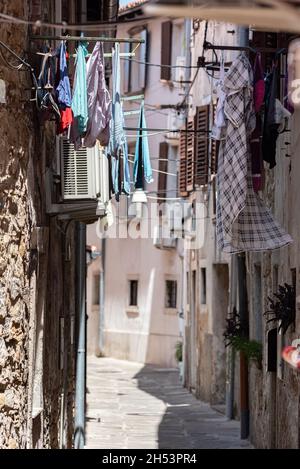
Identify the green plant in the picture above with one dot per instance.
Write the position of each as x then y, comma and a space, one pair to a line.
236, 336
251, 348
283, 307
178, 352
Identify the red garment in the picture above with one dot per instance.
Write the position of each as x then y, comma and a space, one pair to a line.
66, 119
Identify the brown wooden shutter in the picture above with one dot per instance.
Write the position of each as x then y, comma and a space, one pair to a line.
182, 168
163, 167
190, 155
166, 49
201, 145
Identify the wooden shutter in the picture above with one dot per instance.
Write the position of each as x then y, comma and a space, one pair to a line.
201, 145
143, 55
182, 167
163, 166
190, 155
166, 49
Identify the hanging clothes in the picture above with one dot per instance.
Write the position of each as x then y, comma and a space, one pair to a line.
258, 84
79, 99
46, 96
142, 165
256, 138
243, 221
63, 91
270, 131
117, 148
218, 129
99, 102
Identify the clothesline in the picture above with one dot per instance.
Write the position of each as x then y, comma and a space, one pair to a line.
115, 40
66, 26
208, 46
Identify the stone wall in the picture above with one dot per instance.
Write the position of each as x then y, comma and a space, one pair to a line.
37, 279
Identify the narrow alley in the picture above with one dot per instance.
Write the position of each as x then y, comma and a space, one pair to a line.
130, 405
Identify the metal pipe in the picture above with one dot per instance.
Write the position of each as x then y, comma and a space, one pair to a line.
243, 312
102, 298
89, 39
243, 309
230, 350
79, 436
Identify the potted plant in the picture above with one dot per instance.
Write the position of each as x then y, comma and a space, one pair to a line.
179, 358
236, 337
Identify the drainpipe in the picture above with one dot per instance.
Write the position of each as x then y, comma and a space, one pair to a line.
244, 319
230, 350
243, 311
79, 436
102, 300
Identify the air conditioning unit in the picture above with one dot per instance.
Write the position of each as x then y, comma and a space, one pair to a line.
162, 242
180, 70
168, 243
80, 170
176, 121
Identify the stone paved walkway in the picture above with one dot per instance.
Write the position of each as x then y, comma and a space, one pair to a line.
130, 405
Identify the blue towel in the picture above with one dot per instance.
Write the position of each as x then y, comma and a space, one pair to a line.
142, 165
79, 101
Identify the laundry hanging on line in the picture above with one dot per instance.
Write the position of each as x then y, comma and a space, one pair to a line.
63, 91
244, 223
142, 169
117, 149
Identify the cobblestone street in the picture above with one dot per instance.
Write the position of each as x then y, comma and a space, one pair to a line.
134, 406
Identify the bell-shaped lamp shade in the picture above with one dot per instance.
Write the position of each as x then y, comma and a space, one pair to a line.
139, 196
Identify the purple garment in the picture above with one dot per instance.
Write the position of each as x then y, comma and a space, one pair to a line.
99, 102
258, 84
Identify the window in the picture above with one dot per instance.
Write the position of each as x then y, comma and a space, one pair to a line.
171, 294
133, 292
93, 10
203, 285
166, 50
135, 71
163, 168
96, 290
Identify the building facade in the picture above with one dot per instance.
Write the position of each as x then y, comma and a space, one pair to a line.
142, 271
264, 395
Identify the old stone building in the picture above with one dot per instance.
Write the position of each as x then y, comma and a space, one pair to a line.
37, 287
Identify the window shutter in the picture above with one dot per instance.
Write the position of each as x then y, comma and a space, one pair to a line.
163, 166
166, 44
201, 145
182, 166
143, 58
190, 155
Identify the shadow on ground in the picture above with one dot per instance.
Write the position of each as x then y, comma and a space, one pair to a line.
187, 423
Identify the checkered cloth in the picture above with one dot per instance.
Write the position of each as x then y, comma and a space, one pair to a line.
244, 223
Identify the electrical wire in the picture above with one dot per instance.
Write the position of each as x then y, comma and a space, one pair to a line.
159, 65
105, 25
